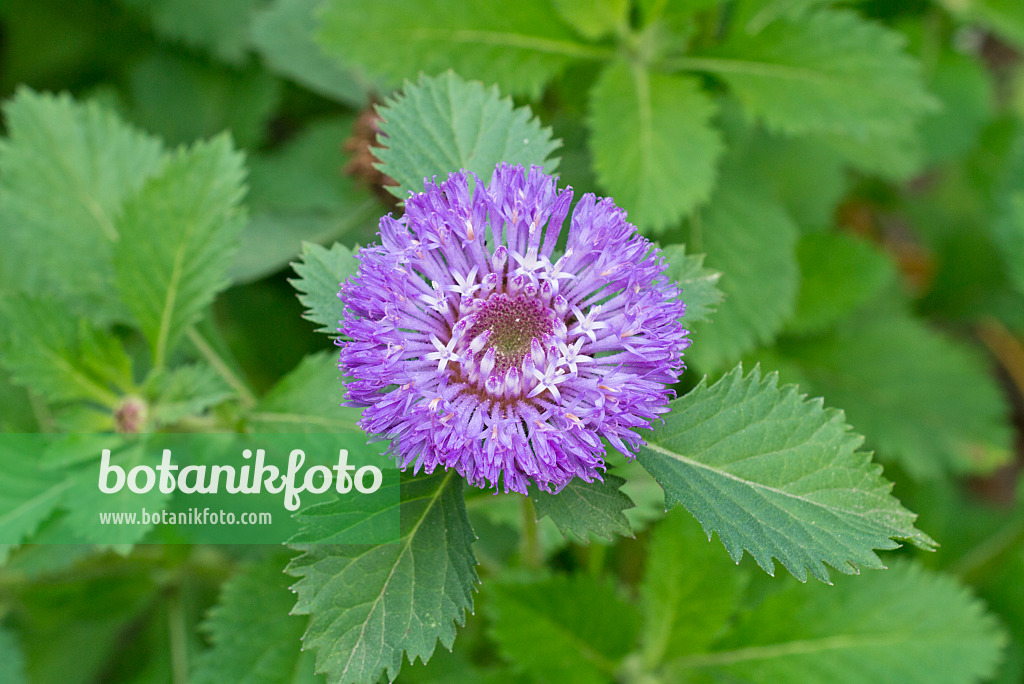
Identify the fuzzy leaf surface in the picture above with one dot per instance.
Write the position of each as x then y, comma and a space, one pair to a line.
178, 236
442, 124
563, 629
689, 591
830, 72
698, 284
777, 475
255, 640
65, 170
927, 402
905, 625
370, 604
653, 146
585, 508
752, 241
321, 272
520, 47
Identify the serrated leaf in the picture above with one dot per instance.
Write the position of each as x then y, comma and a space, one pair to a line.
12, 663
85, 501
46, 351
689, 591
28, 494
699, 285
440, 125
65, 170
922, 400
519, 47
308, 399
838, 274
752, 241
777, 475
653, 147
594, 19
572, 630
370, 604
283, 35
219, 27
828, 72
184, 391
902, 626
321, 272
255, 640
583, 508
177, 238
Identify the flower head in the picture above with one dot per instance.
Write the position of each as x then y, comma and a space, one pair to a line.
475, 345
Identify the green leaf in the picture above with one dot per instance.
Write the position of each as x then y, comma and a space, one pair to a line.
677, 15
255, 640
585, 508
902, 626
283, 35
759, 14
85, 501
177, 238
28, 494
184, 391
299, 193
440, 125
321, 272
307, 400
183, 99
371, 604
654, 150
698, 284
839, 274
923, 400
594, 19
62, 361
571, 630
689, 591
519, 47
752, 241
828, 72
65, 169
12, 664
777, 475
220, 27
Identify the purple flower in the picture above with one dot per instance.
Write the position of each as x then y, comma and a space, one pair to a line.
475, 346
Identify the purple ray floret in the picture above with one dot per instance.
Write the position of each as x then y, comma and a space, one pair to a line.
476, 345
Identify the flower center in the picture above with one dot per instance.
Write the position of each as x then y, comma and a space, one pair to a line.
513, 322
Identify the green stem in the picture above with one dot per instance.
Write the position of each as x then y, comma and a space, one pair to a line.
222, 367
178, 632
530, 551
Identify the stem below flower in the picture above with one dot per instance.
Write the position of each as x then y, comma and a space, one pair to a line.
222, 368
529, 551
